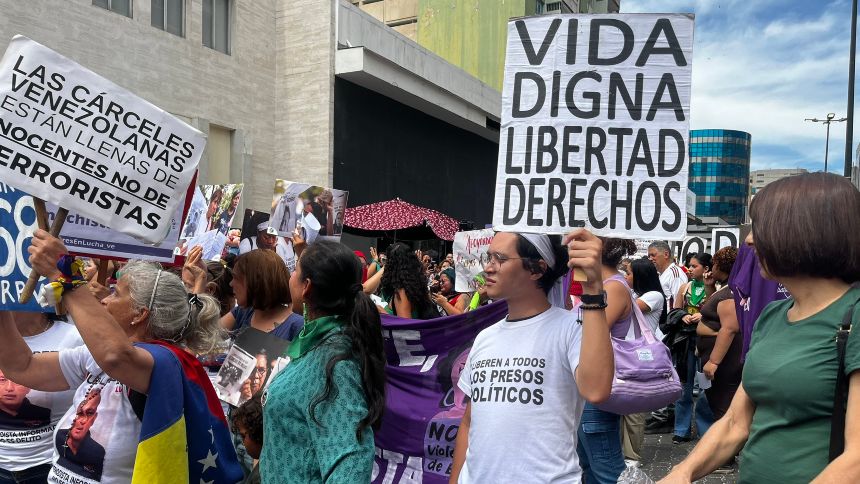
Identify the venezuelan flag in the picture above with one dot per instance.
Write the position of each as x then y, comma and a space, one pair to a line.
184, 435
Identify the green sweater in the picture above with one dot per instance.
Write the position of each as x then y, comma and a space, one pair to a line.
296, 448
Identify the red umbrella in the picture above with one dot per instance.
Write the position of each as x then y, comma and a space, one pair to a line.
396, 215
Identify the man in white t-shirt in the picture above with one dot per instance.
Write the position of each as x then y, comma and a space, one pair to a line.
672, 277
528, 376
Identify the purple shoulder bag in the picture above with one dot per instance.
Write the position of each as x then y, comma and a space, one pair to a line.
645, 379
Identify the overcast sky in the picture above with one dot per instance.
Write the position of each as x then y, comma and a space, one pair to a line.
762, 66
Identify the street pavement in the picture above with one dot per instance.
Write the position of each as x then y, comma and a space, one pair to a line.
659, 454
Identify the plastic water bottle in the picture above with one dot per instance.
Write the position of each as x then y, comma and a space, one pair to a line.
634, 475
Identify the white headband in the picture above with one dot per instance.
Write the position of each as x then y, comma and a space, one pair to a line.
543, 245
262, 226
557, 294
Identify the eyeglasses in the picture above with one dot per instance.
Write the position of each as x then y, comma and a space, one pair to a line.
496, 259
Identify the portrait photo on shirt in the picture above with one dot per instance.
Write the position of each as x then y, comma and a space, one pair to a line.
81, 443
317, 212
248, 364
17, 412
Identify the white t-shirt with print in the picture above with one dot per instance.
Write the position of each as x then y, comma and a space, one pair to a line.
672, 279
26, 438
107, 450
526, 406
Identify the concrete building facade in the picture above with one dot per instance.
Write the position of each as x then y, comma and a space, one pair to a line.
259, 78
761, 178
471, 34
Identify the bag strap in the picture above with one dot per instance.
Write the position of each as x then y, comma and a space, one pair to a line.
644, 329
840, 395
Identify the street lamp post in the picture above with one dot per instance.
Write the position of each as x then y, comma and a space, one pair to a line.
830, 119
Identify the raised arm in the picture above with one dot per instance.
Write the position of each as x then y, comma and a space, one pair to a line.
596, 363
372, 283
19, 364
719, 444
106, 340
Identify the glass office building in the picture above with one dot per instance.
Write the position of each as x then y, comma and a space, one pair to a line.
719, 173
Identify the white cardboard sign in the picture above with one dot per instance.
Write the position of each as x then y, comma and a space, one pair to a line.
76, 139
724, 237
468, 248
595, 125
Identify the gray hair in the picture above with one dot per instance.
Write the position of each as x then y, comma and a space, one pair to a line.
171, 316
661, 245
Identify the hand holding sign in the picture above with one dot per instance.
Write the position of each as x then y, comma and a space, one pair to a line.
194, 271
56, 227
44, 251
584, 251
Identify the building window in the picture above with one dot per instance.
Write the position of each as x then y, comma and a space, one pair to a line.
540, 7
169, 15
216, 25
122, 7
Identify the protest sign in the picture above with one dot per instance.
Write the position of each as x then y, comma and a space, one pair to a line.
212, 208
724, 237
316, 211
17, 224
255, 226
71, 137
247, 365
209, 219
468, 249
690, 245
595, 125
423, 404
642, 247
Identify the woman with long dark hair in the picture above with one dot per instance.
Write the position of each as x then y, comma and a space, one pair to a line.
321, 410
643, 278
404, 285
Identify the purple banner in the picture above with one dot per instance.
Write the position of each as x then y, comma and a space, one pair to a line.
751, 292
423, 403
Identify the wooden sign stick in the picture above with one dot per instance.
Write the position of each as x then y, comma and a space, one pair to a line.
42, 219
102, 274
578, 275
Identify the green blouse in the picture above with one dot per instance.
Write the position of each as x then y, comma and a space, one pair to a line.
297, 449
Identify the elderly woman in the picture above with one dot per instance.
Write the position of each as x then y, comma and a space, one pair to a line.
806, 231
127, 378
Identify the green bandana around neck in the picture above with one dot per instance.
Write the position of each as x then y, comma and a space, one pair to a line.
697, 292
312, 334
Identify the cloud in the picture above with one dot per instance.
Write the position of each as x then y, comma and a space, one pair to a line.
764, 66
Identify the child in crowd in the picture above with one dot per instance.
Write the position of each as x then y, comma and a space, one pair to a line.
248, 423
